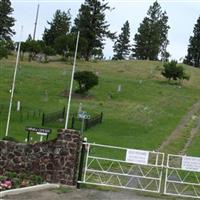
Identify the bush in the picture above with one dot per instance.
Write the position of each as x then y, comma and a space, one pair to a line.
16, 182
86, 80
173, 72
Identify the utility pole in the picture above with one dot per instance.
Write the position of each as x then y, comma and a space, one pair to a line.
36, 20
13, 84
72, 79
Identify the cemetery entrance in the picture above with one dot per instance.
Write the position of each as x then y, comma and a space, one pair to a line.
117, 167
122, 168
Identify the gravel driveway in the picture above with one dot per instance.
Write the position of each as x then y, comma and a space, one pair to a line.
82, 194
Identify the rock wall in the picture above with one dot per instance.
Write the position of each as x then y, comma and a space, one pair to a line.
56, 160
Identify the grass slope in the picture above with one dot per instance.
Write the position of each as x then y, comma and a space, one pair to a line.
141, 116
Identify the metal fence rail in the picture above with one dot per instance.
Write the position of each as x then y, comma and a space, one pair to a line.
182, 179
52, 117
120, 173
140, 170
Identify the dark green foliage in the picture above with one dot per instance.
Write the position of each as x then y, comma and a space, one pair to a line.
172, 71
3, 50
36, 179
9, 138
48, 51
18, 178
193, 55
59, 26
16, 182
2, 178
151, 39
6, 21
122, 46
33, 47
65, 45
86, 80
11, 174
93, 27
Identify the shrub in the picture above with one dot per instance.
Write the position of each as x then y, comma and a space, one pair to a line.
86, 80
16, 182
173, 72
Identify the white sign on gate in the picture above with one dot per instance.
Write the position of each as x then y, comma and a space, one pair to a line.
40, 133
137, 156
191, 163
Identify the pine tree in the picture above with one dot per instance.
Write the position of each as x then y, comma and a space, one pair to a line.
122, 46
59, 26
93, 27
151, 39
6, 21
193, 55
3, 50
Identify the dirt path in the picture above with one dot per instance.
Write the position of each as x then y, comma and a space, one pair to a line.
180, 128
190, 139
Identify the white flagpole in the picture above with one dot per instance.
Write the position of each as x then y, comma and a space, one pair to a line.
13, 84
72, 79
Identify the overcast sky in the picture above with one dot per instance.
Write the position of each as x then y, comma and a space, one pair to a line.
182, 17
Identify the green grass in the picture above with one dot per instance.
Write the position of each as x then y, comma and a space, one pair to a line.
195, 146
141, 116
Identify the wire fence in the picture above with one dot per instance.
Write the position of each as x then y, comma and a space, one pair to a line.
76, 122
52, 117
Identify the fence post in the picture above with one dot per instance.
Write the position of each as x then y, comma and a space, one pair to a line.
73, 121
81, 164
101, 119
43, 117
63, 114
86, 124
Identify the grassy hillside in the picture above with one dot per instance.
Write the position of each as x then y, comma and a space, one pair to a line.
142, 115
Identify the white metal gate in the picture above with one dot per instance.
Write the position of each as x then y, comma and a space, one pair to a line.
123, 168
182, 176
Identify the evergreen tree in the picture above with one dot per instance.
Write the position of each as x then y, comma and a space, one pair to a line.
151, 39
3, 50
193, 55
93, 27
59, 26
122, 46
6, 21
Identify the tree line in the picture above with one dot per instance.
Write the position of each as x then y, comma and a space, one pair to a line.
150, 42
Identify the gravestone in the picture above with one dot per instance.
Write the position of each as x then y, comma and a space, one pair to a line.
64, 72
80, 108
119, 88
46, 98
18, 106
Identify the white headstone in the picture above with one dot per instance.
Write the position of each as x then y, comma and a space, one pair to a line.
64, 72
119, 89
97, 73
80, 108
46, 95
18, 105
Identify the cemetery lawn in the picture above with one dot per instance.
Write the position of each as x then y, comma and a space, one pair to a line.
141, 116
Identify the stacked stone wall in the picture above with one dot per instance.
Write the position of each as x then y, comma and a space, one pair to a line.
55, 160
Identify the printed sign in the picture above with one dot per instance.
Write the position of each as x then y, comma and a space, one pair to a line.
83, 115
137, 156
41, 133
41, 130
191, 163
